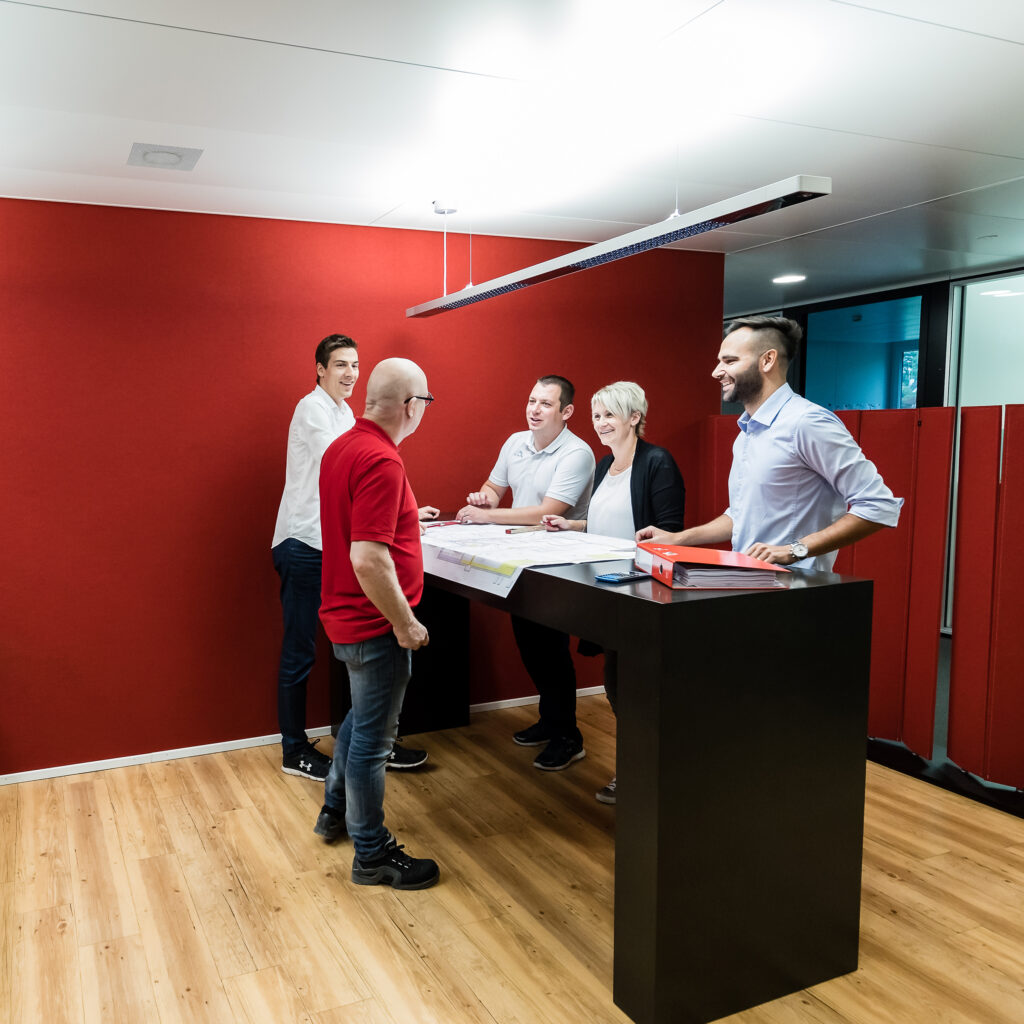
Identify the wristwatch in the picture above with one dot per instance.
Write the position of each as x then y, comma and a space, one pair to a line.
798, 550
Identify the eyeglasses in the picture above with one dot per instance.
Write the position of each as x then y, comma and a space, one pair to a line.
428, 398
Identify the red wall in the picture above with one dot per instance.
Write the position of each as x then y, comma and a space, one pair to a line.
149, 366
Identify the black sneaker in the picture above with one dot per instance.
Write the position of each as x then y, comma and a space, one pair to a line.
308, 763
606, 794
330, 824
536, 735
396, 869
405, 757
559, 754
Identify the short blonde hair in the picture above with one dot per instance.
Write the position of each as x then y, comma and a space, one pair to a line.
622, 399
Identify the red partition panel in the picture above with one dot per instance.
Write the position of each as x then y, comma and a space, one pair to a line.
720, 433
888, 438
844, 557
932, 472
977, 495
851, 420
1005, 738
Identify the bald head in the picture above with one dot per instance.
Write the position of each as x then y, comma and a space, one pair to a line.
392, 382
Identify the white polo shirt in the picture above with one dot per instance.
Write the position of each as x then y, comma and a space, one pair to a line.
564, 470
318, 420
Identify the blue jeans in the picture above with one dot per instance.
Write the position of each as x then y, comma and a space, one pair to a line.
298, 565
378, 673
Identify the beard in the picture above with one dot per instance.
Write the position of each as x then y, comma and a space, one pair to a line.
745, 386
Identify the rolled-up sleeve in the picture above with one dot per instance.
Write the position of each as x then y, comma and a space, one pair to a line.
827, 447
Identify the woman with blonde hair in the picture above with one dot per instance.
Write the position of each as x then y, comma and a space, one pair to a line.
637, 485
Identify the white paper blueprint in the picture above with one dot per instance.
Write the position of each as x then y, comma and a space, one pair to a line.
488, 558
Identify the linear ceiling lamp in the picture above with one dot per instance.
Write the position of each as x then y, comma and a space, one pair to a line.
797, 189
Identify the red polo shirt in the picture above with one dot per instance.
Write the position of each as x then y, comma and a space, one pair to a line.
365, 495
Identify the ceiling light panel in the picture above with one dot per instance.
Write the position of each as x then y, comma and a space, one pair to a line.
785, 193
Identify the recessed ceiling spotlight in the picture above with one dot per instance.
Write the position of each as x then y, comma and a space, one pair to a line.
166, 158
161, 158
789, 279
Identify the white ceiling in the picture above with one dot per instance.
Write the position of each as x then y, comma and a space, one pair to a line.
562, 119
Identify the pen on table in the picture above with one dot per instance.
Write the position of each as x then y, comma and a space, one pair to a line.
525, 529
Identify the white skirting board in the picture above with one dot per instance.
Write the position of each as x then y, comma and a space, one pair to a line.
215, 748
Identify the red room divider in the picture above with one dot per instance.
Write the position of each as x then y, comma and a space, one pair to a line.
986, 687
913, 451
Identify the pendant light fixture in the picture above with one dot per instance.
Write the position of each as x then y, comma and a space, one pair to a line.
798, 189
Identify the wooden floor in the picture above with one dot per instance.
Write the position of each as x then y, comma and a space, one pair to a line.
194, 890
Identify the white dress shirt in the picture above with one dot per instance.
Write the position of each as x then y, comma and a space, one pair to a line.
796, 470
318, 420
564, 470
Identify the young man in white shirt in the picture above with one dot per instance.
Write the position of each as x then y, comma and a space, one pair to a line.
321, 417
550, 471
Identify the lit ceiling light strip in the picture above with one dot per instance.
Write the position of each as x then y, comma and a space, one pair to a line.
789, 192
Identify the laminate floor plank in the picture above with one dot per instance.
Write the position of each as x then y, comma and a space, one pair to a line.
472, 979
186, 985
320, 969
215, 892
137, 814
102, 897
9, 799
265, 997
221, 790
959, 984
47, 983
388, 963
549, 974
369, 1011
116, 986
8, 934
279, 800
42, 872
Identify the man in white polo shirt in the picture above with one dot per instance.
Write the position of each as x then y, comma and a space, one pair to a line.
550, 471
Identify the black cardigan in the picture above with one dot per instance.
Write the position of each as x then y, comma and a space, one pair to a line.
656, 487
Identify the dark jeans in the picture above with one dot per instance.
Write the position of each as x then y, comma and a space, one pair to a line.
378, 673
546, 657
298, 565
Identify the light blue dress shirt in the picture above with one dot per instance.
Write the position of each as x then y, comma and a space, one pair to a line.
796, 470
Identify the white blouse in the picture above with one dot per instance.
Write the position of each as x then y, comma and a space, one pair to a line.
611, 508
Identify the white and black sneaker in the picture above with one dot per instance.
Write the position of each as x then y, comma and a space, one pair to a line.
308, 763
559, 754
405, 757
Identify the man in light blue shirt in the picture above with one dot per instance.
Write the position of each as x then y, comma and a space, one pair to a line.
800, 488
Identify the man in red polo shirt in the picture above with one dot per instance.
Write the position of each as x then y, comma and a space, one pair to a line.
371, 581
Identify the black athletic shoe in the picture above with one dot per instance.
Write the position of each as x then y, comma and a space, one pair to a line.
405, 757
559, 754
537, 735
396, 869
308, 763
330, 824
